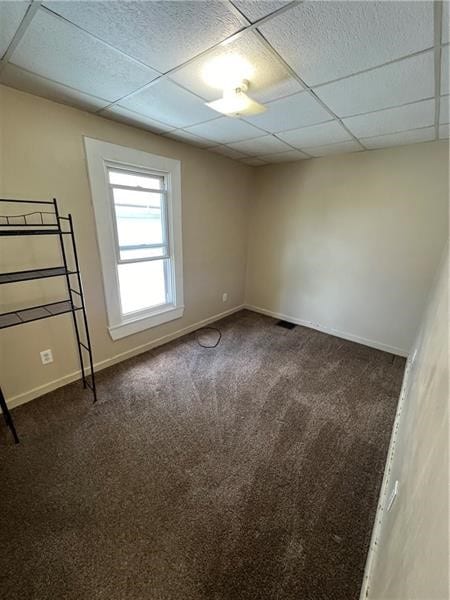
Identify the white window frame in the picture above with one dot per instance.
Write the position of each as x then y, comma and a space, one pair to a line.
101, 156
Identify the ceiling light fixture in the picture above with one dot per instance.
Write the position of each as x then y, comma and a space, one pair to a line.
226, 71
235, 102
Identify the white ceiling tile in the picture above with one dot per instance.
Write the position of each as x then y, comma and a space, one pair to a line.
294, 111
290, 156
159, 33
56, 50
426, 134
405, 81
226, 151
225, 130
11, 14
167, 102
340, 148
444, 109
445, 68
132, 118
444, 132
267, 144
268, 78
28, 82
316, 135
445, 21
392, 120
254, 162
323, 41
183, 136
257, 9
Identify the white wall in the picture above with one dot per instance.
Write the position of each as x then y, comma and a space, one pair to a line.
347, 242
350, 243
410, 560
41, 156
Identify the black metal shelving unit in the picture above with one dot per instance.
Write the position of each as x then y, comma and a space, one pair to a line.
44, 222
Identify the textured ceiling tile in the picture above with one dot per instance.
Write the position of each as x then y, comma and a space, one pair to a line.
225, 130
257, 9
268, 78
55, 49
400, 139
254, 162
290, 156
183, 136
392, 120
229, 152
340, 148
405, 81
444, 110
11, 14
445, 68
323, 41
316, 135
167, 102
267, 144
159, 33
444, 132
445, 22
294, 111
39, 86
131, 118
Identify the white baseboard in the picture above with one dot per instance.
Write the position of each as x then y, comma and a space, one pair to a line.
341, 334
74, 376
383, 497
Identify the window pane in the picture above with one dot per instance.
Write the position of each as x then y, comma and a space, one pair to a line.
140, 253
137, 198
139, 222
142, 285
152, 182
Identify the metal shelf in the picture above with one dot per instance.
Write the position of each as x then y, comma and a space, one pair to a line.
21, 232
34, 274
36, 313
48, 222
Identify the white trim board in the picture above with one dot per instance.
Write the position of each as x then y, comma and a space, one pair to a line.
101, 156
383, 497
324, 329
74, 376
108, 362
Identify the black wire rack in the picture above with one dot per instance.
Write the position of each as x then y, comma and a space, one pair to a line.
43, 222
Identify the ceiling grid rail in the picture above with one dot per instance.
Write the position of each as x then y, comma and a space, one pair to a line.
254, 27
437, 14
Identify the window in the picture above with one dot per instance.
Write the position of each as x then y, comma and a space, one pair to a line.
137, 206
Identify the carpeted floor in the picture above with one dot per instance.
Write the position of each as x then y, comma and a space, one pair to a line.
246, 472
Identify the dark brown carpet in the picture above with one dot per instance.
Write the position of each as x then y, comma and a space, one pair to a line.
249, 471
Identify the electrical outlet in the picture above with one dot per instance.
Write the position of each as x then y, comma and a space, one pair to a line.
46, 356
224, 297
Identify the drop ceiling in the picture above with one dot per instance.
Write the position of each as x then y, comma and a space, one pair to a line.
335, 76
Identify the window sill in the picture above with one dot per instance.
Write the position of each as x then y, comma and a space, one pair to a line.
144, 322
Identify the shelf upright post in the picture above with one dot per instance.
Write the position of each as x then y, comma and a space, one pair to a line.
69, 289
83, 308
7, 415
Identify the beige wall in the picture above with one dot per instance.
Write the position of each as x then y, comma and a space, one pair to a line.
411, 557
349, 243
41, 156
346, 243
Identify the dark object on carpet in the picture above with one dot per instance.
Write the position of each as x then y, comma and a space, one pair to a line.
208, 337
247, 473
286, 324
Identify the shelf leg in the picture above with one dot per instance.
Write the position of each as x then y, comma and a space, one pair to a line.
69, 290
8, 419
